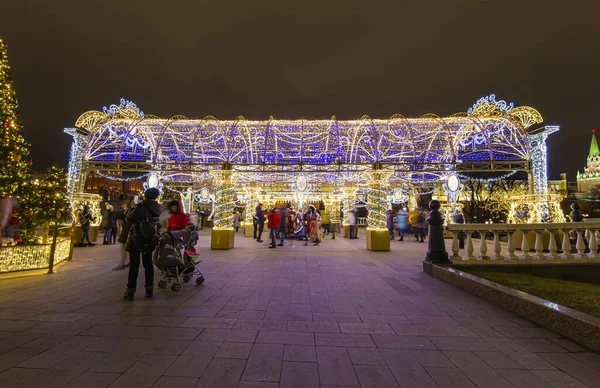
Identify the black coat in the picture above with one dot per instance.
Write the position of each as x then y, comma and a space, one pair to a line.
150, 210
125, 227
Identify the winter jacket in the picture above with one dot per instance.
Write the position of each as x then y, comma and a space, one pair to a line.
178, 221
148, 210
351, 218
283, 222
125, 227
260, 216
237, 219
274, 220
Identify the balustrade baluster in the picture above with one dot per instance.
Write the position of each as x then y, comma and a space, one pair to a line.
525, 245
539, 245
511, 247
497, 246
593, 244
455, 246
469, 246
552, 247
580, 244
566, 245
483, 247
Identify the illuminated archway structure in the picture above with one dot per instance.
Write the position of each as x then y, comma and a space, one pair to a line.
253, 158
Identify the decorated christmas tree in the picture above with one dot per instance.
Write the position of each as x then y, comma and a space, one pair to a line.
14, 149
50, 195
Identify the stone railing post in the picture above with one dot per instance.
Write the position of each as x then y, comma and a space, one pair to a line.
436, 252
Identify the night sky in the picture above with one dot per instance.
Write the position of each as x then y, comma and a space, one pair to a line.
304, 59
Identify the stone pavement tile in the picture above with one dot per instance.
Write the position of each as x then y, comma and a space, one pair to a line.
16, 325
368, 328
258, 384
279, 305
368, 318
145, 372
264, 363
523, 322
334, 317
170, 347
245, 324
366, 356
193, 312
228, 335
567, 344
375, 376
234, 350
241, 314
344, 339
526, 332
432, 358
301, 353
300, 307
521, 355
175, 382
499, 360
222, 373
17, 356
60, 328
335, 366
568, 364
181, 333
57, 354
406, 369
210, 323
80, 361
127, 353
106, 344
482, 330
322, 308
148, 310
149, 320
462, 344
459, 331
194, 360
17, 339
102, 309
93, 380
299, 375
558, 379
450, 377
318, 327
539, 345
285, 337
348, 308
424, 330
523, 379
257, 306
47, 341
14, 377
433, 321
389, 341
54, 378
107, 319
117, 331
588, 358
288, 316
51, 316
477, 370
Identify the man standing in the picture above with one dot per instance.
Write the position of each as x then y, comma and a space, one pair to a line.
274, 221
142, 240
282, 225
352, 223
260, 220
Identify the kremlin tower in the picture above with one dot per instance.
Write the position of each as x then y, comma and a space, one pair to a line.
591, 176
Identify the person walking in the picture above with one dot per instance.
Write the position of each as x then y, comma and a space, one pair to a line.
402, 223
141, 242
389, 222
422, 225
282, 225
458, 218
260, 221
274, 221
85, 218
125, 227
413, 220
325, 222
237, 220
111, 226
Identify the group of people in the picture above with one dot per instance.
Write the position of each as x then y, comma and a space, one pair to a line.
283, 222
404, 222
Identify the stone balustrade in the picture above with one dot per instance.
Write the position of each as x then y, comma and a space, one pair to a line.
552, 241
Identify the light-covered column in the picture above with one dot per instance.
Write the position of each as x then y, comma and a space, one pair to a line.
80, 141
378, 237
539, 159
223, 233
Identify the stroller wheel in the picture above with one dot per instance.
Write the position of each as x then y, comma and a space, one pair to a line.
162, 284
199, 280
176, 287
186, 278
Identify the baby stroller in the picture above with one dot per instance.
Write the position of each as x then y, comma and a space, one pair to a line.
175, 262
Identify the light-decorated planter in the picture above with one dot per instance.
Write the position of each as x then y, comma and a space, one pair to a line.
222, 238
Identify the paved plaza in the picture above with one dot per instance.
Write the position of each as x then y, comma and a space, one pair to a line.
336, 315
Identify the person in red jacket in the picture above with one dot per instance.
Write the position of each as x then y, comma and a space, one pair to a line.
274, 221
178, 219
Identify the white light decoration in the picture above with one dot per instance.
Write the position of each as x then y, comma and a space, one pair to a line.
118, 179
153, 182
539, 158
453, 188
501, 105
123, 105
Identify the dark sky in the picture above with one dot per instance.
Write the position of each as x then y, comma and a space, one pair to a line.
311, 59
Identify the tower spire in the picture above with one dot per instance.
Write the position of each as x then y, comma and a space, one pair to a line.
594, 149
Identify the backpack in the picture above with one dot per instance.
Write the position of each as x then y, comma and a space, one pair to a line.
147, 229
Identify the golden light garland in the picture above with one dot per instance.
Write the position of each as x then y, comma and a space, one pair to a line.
26, 257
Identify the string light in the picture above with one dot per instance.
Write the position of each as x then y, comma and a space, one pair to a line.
114, 178
487, 180
26, 257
